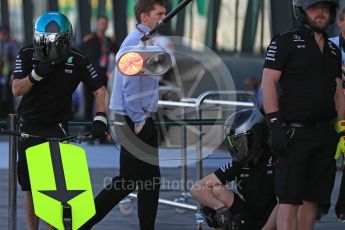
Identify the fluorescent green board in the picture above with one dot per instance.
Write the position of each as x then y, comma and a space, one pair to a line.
76, 175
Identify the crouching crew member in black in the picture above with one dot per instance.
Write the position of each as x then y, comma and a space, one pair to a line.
252, 170
47, 73
302, 90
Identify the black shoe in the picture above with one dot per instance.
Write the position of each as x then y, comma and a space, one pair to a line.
341, 216
224, 218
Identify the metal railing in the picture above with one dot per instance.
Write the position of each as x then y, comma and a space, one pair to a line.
200, 101
12, 187
194, 103
197, 104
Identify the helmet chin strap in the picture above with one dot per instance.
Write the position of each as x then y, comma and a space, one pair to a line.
314, 29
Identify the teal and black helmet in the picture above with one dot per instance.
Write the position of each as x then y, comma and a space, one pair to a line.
52, 37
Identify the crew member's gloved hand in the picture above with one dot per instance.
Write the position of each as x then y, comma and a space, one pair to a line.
279, 138
99, 126
340, 128
224, 218
41, 71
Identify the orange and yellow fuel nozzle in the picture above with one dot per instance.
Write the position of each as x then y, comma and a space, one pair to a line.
143, 61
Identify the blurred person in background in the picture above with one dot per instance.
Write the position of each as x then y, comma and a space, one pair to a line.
99, 49
8, 51
253, 84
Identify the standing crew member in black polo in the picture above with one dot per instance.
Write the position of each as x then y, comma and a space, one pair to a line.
46, 74
306, 68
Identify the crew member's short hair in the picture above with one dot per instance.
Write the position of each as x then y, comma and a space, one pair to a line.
145, 6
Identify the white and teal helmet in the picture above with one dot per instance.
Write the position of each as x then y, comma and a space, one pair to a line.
52, 37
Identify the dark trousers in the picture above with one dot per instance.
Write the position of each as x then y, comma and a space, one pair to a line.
54, 130
138, 169
307, 171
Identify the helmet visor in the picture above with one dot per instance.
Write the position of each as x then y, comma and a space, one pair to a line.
52, 47
238, 146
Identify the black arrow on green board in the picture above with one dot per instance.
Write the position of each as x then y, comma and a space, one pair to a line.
61, 193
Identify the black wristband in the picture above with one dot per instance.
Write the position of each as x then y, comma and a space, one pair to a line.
274, 118
101, 117
32, 80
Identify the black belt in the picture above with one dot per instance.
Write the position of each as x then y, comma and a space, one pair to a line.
307, 124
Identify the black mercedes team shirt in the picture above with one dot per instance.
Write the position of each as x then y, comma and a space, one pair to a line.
255, 182
307, 85
50, 100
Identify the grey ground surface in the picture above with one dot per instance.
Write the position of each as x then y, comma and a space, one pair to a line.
104, 164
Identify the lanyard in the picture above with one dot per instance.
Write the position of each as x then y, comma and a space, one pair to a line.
150, 41
140, 30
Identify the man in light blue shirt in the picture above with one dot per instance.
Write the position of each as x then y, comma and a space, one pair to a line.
134, 99
134, 96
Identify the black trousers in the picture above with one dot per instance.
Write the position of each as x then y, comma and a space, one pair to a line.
53, 130
138, 169
307, 171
